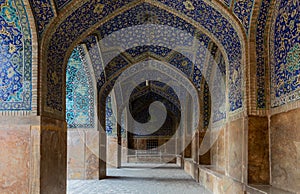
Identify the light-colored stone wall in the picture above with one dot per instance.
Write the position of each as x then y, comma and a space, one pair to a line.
19, 154
15, 157
83, 154
285, 150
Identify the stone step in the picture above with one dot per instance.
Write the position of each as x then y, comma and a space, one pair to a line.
265, 189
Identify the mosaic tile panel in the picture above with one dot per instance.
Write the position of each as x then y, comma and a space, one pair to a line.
222, 29
201, 12
110, 119
101, 81
145, 14
43, 13
80, 102
232, 45
73, 26
200, 59
157, 50
206, 105
91, 43
182, 63
15, 57
176, 59
115, 65
243, 10
260, 50
285, 53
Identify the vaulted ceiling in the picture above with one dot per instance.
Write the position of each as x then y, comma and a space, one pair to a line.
216, 35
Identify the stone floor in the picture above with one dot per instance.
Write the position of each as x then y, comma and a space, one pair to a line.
140, 178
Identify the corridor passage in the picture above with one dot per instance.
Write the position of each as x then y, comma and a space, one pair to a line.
140, 179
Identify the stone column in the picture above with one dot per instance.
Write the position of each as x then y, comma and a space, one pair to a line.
258, 150
53, 155
124, 138
102, 142
119, 143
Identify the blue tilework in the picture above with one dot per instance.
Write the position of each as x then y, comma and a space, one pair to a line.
61, 3
243, 10
43, 14
260, 50
207, 16
80, 102
285, 53
110, 120
15, 57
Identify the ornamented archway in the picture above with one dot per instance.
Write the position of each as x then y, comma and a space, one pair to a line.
62, 38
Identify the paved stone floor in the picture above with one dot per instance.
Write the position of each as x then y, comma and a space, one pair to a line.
139, 179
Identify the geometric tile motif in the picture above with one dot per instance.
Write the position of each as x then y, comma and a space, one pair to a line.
43, 13
79, 92
243, 10
285, 62
260, 51
15, 57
